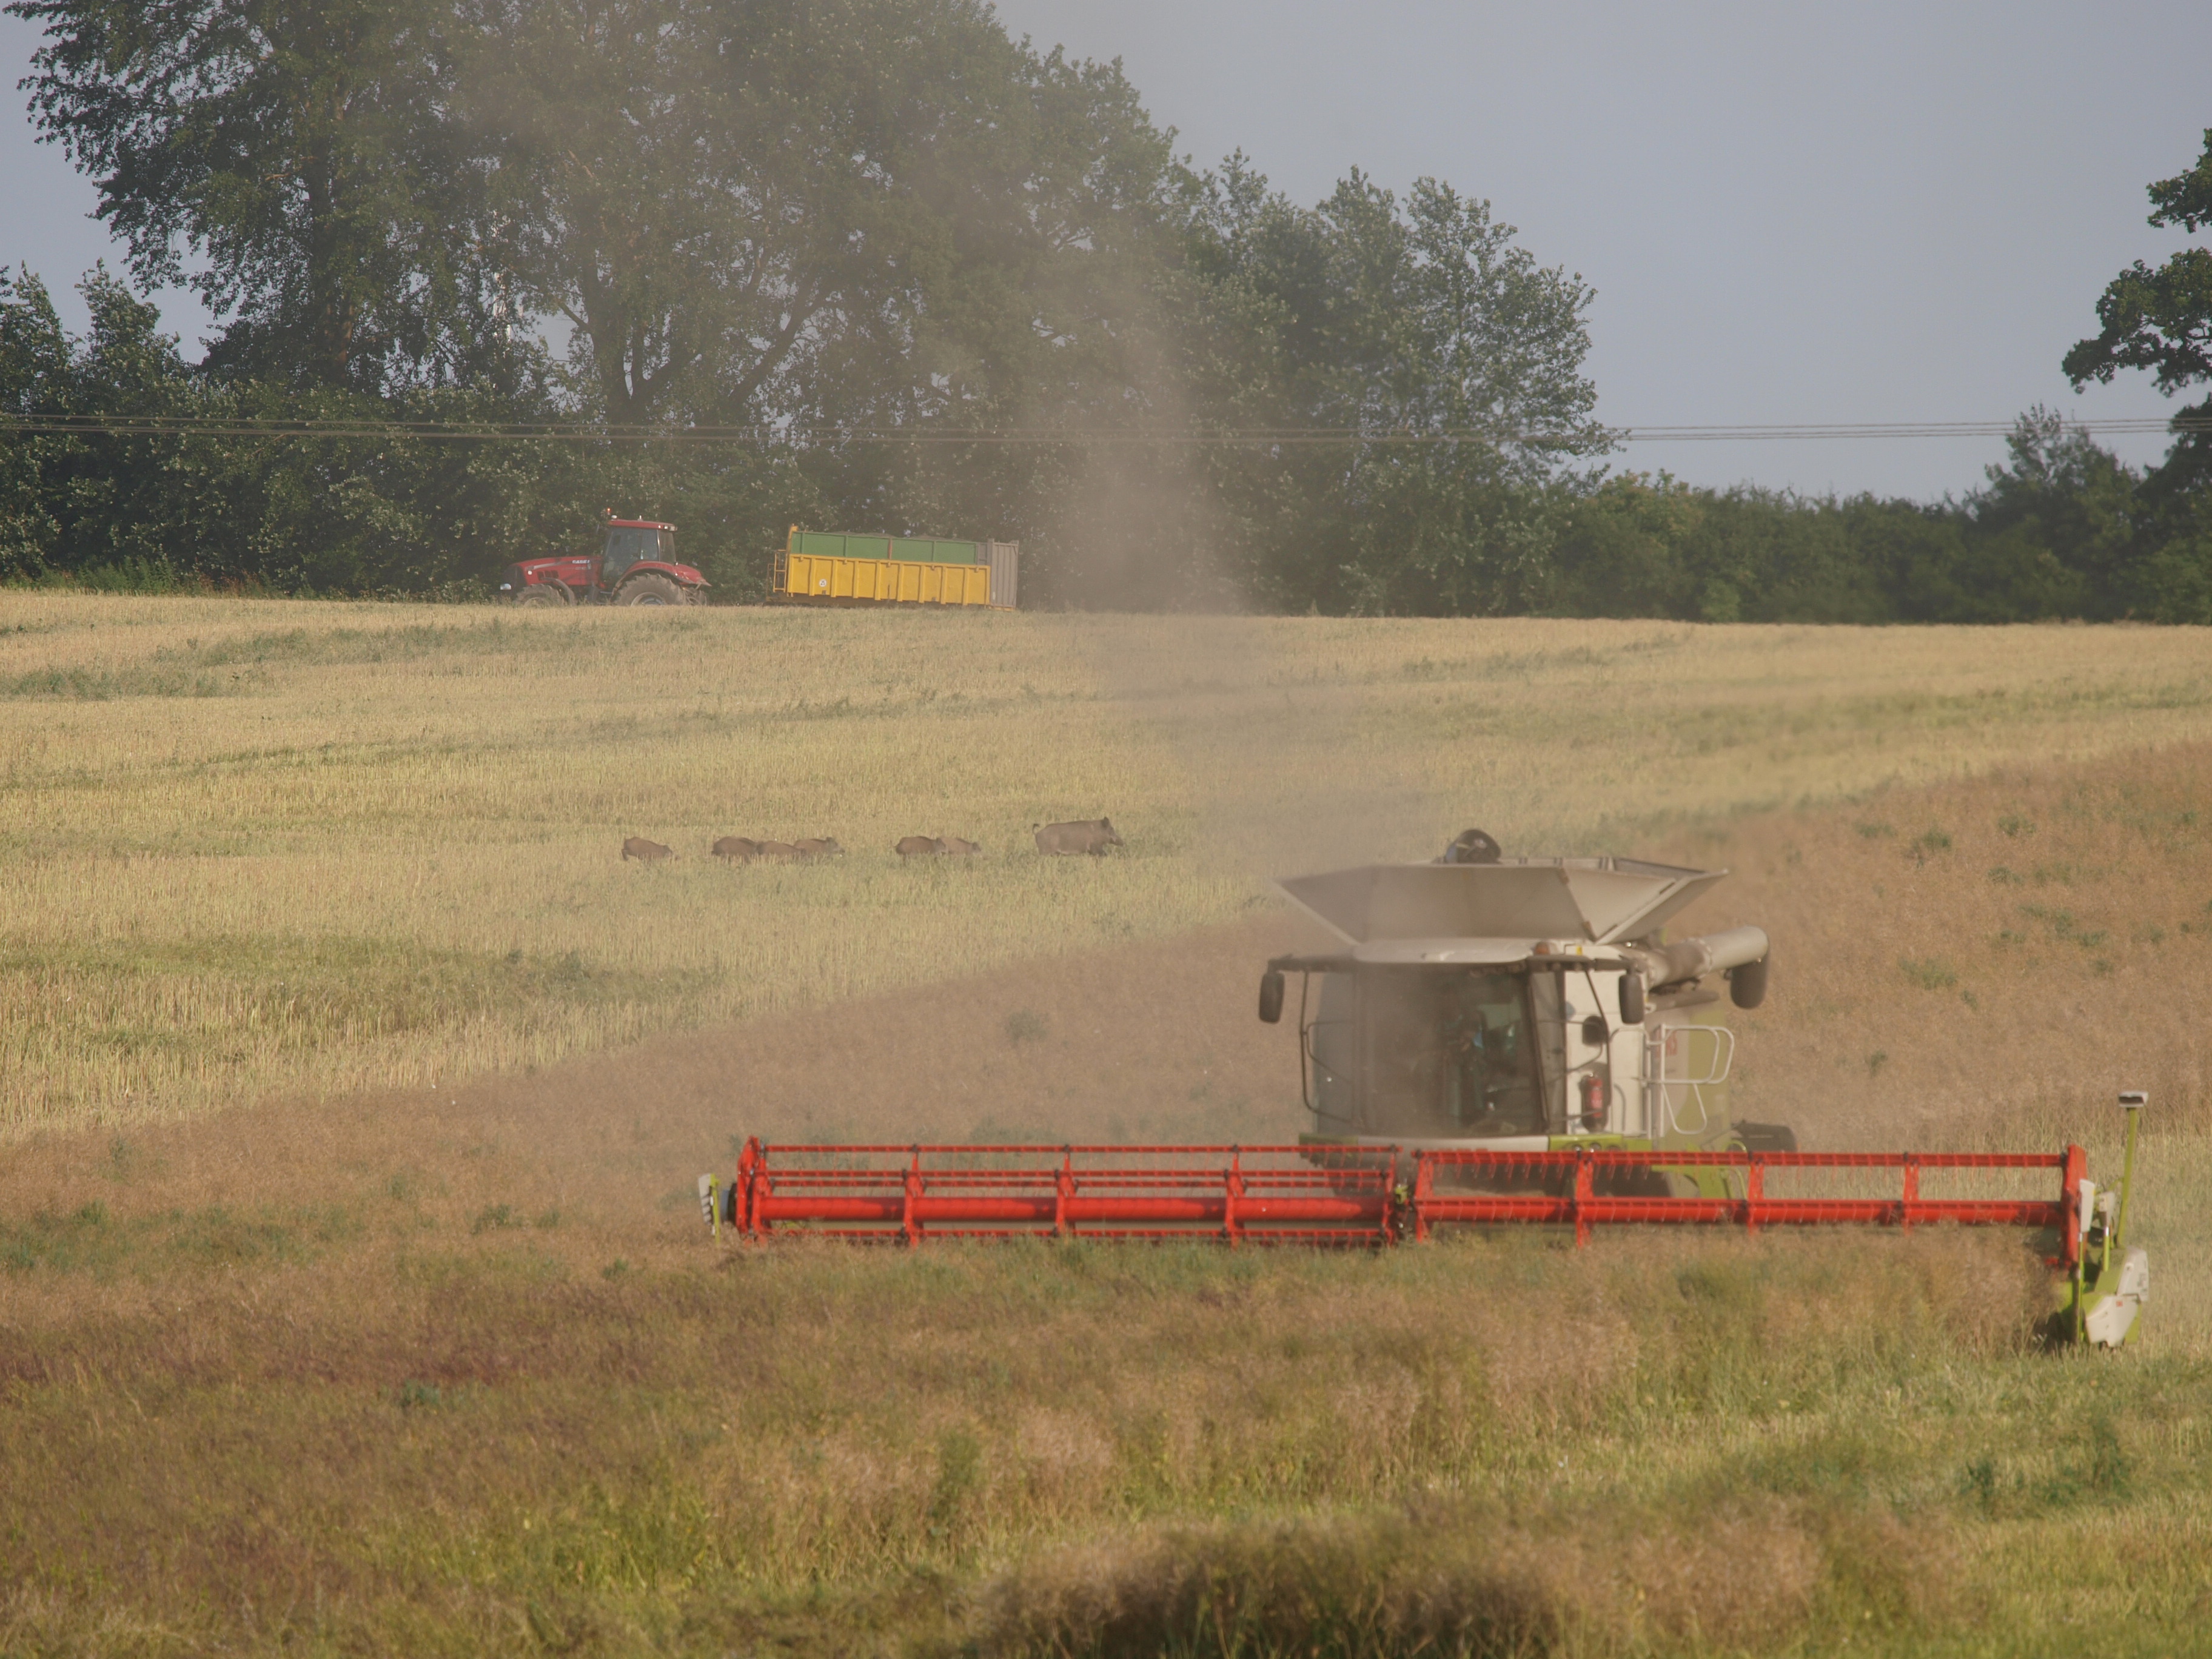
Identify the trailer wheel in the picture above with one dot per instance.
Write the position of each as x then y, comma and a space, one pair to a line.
649, 587
548, 591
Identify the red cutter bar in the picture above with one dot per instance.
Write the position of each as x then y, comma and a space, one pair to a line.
1327, 1195
905, 1194
1568, 1190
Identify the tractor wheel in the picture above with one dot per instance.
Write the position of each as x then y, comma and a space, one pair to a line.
649, 587
549, 591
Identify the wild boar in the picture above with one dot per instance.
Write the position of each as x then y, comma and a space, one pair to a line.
647, 851
1091, 835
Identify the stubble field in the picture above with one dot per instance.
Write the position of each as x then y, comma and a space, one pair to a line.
253, 848
352, 1297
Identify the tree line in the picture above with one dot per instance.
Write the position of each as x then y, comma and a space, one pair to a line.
2063, 530
873, 265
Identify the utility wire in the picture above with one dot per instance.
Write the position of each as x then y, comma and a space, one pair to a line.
127, 426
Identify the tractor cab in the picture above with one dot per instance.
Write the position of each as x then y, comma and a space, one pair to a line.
630, 544
635, 565
1526, 1001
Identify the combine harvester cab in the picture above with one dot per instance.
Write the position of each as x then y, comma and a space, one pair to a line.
1511, 1041
1523, 1005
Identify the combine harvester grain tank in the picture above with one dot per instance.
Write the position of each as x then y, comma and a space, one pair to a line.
1495, 1042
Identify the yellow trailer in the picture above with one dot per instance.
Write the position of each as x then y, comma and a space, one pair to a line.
832, 567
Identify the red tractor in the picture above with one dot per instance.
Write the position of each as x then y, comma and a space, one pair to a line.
636, 566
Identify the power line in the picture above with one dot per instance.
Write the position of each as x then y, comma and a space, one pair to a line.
1164, 437
1821, 430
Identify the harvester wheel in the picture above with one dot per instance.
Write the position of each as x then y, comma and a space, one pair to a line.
649, 587
546, 591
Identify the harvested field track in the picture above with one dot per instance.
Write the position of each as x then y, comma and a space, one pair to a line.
292, 1361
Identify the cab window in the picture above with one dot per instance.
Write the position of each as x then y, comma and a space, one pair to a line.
626, 545
1450, 1053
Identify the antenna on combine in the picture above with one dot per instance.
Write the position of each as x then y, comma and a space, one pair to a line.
2132, 1101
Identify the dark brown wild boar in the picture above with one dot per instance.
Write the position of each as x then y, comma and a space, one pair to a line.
732, 847
1091, 835
816, 847
910, 846
647, 851
778, 849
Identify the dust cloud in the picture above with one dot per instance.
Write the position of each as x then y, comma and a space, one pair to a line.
1276, 775
1278, 778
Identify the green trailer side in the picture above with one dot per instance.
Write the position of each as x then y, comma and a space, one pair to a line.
911, 549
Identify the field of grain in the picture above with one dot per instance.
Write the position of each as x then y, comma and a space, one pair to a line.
352, 1294
253, 848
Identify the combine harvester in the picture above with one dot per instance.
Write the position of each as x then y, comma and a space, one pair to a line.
1498, 1041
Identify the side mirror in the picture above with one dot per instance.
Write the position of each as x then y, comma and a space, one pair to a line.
1747, 984
1270, 995
1632, 998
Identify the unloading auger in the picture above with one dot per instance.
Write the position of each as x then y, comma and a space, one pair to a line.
1499, 1041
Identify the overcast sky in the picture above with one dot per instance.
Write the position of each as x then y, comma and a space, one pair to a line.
1873, 212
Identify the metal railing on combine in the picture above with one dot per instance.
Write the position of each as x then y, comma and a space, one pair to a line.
907, 1195
1355, 1195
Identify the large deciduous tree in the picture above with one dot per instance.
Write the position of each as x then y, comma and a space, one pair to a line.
1422, 324
2161, 320
780, 209
292, 160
